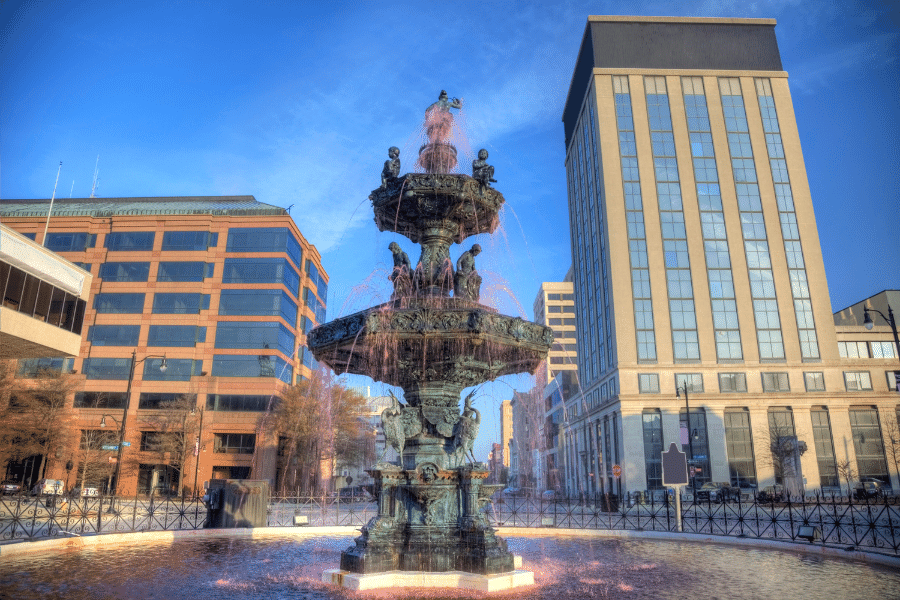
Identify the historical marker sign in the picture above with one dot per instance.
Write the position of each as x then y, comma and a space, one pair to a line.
674, 466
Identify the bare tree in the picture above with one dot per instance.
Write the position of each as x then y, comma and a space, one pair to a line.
174, 428
38, 417
847, 473
784, 451
319, 425
94, 466
892, 429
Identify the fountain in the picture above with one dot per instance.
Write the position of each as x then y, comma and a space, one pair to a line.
432, 345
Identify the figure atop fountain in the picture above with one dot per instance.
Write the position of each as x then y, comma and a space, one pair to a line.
482, 172
401, 275
439, 155
391, 168
467, 281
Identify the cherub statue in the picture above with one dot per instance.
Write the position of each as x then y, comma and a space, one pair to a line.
391, 168
467, 427
392, 424
401, 275
482, 172
467, 281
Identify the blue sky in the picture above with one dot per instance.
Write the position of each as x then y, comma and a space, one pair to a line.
296, 104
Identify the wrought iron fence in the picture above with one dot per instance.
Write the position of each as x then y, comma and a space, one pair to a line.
872, 524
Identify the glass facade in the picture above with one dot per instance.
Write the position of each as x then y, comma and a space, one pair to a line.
119, 303
868, 444
806, 327
176, 336
192, 271
106, 368
180, 304
24, 293
70, 241
241, 403
753, 228
255, 335
183, 241
272, 303
114, 335
824, 446
781, 429
114, 400
129, 240
653, 447
634, 212
699, 441
237, 365
177, 369
715, 238
265, 239
685, 342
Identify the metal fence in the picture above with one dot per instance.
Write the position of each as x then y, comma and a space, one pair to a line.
833, 520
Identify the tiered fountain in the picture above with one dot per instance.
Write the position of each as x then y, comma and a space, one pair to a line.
432, 345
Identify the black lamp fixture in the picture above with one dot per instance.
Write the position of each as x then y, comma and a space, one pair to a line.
869, 323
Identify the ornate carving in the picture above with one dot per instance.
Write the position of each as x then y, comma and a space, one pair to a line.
467, 281
443, 418
393, 426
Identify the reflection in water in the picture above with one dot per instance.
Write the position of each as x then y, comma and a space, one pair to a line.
565, 568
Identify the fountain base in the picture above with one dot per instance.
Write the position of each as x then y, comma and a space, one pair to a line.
425, 579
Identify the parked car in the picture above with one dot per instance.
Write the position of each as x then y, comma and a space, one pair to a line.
48, 487
771, 493
550, 496
10, 488
868, 488
717, 491
514, 492
354, 494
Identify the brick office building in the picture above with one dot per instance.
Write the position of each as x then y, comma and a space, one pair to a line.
219, 289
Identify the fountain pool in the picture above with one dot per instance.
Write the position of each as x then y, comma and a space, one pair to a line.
290, 566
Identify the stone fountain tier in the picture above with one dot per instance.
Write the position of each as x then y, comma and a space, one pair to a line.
421, 206
432, 520
432, 347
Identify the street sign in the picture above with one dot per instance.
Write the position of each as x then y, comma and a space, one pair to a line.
109, 447
674, 466
126, 444
617, 471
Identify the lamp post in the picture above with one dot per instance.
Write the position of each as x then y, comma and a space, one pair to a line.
687, 423
118, 471
869, 323
197, 447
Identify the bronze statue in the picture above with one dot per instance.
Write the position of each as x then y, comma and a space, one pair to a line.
391, 168
392, 424
401, 275
467, 281
481, 170
444, 103
467, 428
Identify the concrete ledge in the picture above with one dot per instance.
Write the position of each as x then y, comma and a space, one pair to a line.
421, 579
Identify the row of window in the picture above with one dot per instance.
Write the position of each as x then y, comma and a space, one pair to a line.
161, 400
867, 349
182, 369
231, 302
570, 308
229, 334
560, 297
165, 441
25, 293
814, 381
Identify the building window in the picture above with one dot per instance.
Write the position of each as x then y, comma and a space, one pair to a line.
692, 382
310, 300
184, 271
857, 381
653, 447
893, 380
272, 303
776, 382
814, 380
821, 424
129, 240
70, 241
178, 369
316, 278
114, 335
180, 304
237, 365
867, 442
262, 270
648, 383
853, 349
239, 403
883, 350
119, 303
125, 271
176, 336
161, 441
739, 446
699, 441
782, 437
235, 443
732, 382
100, 400
255, 335
265, 239
106, 368
157, 400
32, 368
189, 240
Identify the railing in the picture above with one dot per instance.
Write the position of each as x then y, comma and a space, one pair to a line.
872, 525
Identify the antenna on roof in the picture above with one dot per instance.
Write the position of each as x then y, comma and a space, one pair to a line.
53, 197
72, 189
96, 182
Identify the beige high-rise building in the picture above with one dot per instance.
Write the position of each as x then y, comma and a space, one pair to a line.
554, 307
698, 275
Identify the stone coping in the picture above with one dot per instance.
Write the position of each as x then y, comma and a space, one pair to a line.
111, 539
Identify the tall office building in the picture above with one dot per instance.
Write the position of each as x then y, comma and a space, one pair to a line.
697, 266
225, 288
554, 307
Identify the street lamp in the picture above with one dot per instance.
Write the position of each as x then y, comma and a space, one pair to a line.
869, 323
134, 362
687, 428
